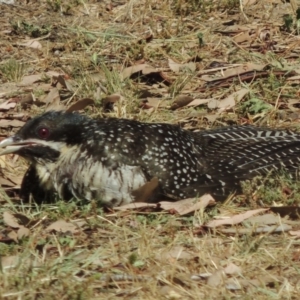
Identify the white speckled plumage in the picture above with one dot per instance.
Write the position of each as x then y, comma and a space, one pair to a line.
108, 159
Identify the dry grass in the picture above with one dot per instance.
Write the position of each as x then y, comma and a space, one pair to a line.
147, 255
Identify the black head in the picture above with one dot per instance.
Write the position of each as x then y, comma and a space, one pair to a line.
44, 136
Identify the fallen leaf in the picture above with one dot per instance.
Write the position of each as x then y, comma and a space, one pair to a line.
265, 219
175, 253
232, 269
135, 205
66, 84
13, 235
263, 229
10, 220
216, 279
30, 79
176, 67
153, 102
295, 233
189, 205
11, 123
62, 226
211, 117
232, 100
5, 182
144, 68
52, 100
248, 2
23, 232
80, 104
170, 292
32, 44
109, 101
233, 71
242, 37
233, 284
213, 103
197, 102
180, 101
7, 105
8, 262
236, 219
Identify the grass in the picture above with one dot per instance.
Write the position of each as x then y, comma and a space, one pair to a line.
146, 254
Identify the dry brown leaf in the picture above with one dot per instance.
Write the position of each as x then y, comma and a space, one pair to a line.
242, 37
213, 103
175, 253
8, 88
170, 292
66, 84
235, 71
8, 262
180, 101
11, 123
232, 269
232, 100
216, 279
153, 102
243, 69
80, 104
266, 219
135, 205
197, 102
109, 101
13, 235
189, 205
32, 44
10, 220
15, 220
5, 182
232, 284
51, 96
263, 229
176, 67
236, 219
23, 232
17, 180
295, 233
144, 68
7, 105
30, 79
52, 100
211, 117
62, 226
248, 2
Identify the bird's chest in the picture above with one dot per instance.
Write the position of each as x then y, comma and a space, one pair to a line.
76, 174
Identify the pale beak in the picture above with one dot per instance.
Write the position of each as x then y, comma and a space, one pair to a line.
14, 144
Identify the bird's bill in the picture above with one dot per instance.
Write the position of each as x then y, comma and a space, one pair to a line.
13, 145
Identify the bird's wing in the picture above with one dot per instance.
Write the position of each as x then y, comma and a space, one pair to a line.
244, 131
245, 158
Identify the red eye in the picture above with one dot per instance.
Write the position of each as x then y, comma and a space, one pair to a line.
43, 133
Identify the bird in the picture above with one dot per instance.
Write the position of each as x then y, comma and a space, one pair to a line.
109, 160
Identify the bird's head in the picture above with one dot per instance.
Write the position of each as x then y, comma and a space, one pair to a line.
45, 136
